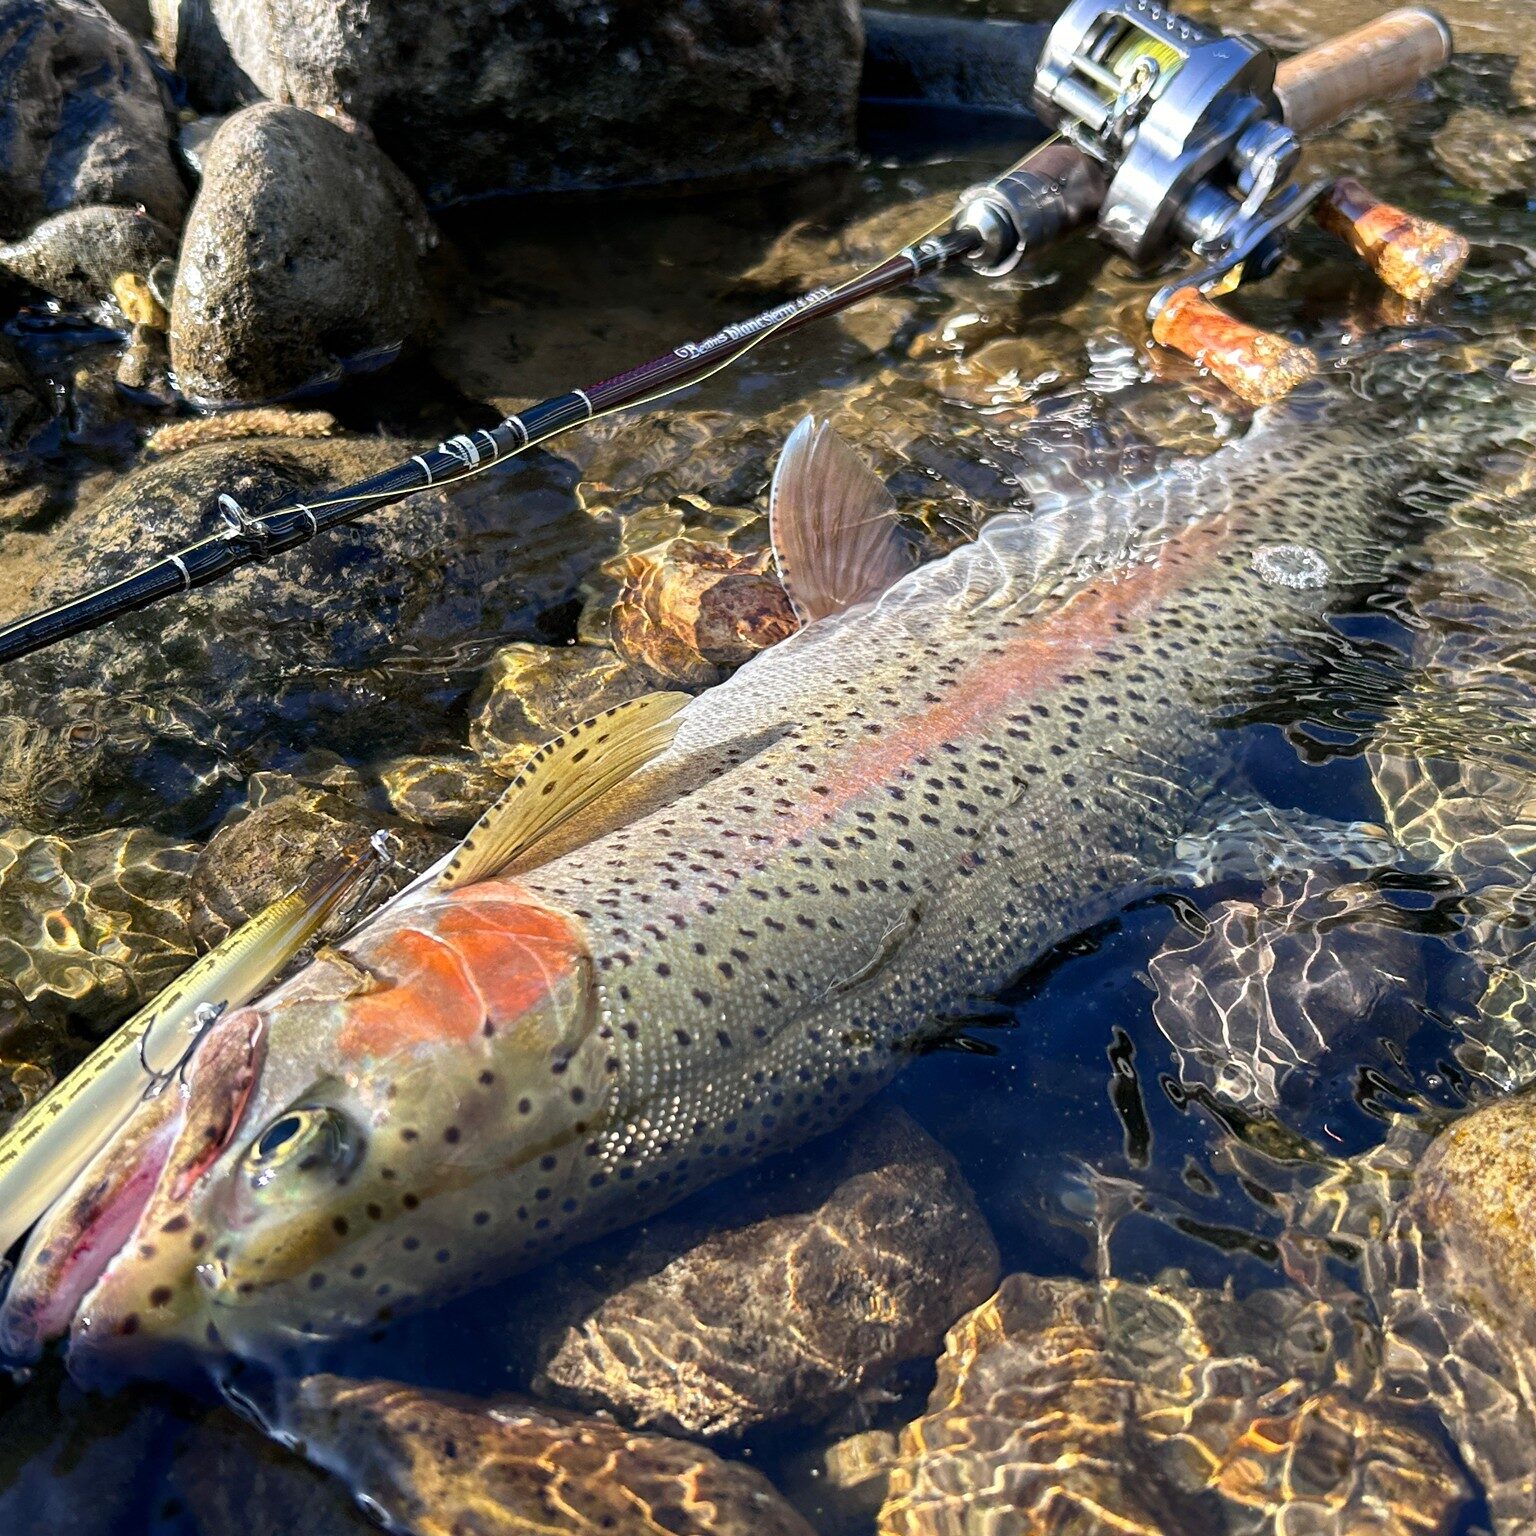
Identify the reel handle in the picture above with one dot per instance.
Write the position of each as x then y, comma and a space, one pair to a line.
1257, 366
1381, 59
1413, 256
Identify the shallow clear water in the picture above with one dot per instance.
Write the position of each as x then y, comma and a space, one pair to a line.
1094, 1147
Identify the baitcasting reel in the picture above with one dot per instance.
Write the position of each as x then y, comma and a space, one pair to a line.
1172, 136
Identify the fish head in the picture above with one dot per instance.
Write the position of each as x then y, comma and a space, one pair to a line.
398, 1123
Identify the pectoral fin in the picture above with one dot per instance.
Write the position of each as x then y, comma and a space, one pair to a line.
562, 778
833, 523
1253, 840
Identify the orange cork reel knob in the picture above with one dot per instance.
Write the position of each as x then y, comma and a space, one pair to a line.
1255, 365
1412, 256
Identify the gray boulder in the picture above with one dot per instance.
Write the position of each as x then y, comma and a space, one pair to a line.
354, 639
303, 253
82, 119
534, 94
76, 255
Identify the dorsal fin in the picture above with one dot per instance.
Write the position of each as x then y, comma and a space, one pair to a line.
563, 777
833, 524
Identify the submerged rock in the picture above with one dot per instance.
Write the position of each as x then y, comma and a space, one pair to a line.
232, 1482
85, 121
145, 366
78, 255
1453, 762
692, 612
1459, 1297
429, 1464
1269, 987
1488, 151
286, 830
1063, 1405
302, 254
447, 792
24, 409
542, 94
788, 1316
97, 925
78, 1464
531, 693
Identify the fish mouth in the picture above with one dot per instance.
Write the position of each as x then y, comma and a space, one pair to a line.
84, 1230
107, 1260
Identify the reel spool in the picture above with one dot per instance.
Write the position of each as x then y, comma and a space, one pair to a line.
1177, 136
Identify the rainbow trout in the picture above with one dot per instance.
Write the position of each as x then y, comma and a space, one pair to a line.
744, 914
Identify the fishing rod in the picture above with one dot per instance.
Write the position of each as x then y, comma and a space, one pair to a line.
1169, 135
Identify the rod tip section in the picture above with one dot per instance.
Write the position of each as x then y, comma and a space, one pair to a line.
1255, 365
1412, 256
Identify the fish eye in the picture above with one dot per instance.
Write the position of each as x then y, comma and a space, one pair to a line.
304, 1138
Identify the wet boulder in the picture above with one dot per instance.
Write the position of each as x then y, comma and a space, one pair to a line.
425, 1463
288, 828
692, 612
531, 693
542, 94
185, 700
303, 254
78, 255
1065, 1405
84, 122
788, 1316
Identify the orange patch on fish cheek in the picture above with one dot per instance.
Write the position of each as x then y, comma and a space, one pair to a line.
427, 997
516, 953
476, 957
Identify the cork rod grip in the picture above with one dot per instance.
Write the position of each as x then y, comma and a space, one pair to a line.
1374, 62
